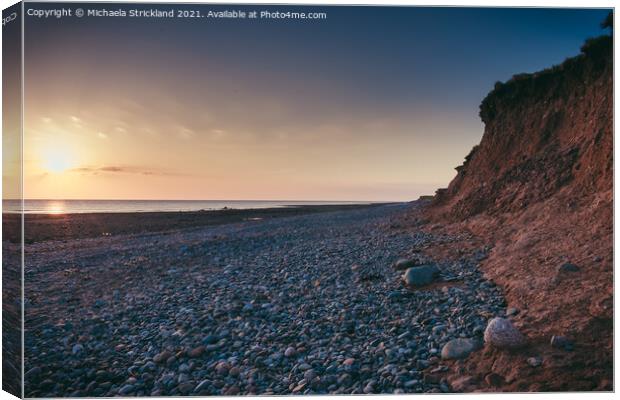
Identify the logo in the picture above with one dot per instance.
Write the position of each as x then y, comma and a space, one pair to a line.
8, 19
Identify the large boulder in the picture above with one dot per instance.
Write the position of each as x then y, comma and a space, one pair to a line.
420, 275
457, 349
501, 333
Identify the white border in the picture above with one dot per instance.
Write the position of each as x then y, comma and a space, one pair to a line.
461, 3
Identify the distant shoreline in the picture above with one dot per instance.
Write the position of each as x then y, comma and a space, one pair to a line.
44, 227
76, 206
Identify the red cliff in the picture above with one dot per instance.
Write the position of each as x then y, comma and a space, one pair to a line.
539, 189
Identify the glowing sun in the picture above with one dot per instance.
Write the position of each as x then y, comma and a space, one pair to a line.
57, 159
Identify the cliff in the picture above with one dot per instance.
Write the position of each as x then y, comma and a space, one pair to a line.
539, 190
540, 130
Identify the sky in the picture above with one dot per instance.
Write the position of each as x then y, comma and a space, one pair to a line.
372, 103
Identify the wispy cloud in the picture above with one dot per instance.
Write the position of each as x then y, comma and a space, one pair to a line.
185, 133
123, 169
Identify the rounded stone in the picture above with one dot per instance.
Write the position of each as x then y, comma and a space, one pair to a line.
290, 352
568, 267
222, 368
196, 352
457, 349
534, 361
421, 275
126, 389
309, 375
502, 334
78, 348
349, 361
561, 342
162, 357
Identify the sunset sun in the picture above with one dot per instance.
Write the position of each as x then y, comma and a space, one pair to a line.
57, 159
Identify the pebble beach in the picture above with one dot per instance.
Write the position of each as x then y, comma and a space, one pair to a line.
302, 304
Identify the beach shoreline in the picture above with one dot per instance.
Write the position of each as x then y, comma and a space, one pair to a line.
283, 306
44, 227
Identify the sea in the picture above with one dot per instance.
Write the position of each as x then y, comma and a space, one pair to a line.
131, 206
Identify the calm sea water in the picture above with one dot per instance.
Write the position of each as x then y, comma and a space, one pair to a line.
108, 206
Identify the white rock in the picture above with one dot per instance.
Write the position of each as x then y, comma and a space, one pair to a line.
501, 333
534, 361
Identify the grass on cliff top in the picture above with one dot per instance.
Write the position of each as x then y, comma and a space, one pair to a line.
596, 54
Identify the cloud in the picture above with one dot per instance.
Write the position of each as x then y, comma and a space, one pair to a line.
77, 122
123, 169
102, 135
185, 133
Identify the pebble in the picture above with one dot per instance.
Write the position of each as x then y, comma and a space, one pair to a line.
410, 384
78, 348
420, 275
222, 368
422, 364
124, 390
494, 379
186, 387
305, 367
457, 349
309, 375
534, 361
196, 352
202, 386
299, 387
561, 342
302, 322
150, 366
290, 352
502, 334
232, 391
568, 267
370, 387
162, 357
210, 339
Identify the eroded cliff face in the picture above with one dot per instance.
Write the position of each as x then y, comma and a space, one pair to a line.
539, 189
544, 133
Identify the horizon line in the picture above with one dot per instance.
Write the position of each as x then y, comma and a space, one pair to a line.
266, 200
